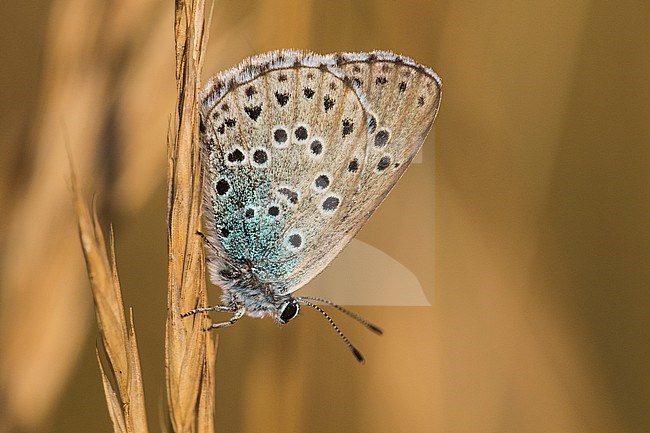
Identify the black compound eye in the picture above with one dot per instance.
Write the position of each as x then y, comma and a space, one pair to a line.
289, 311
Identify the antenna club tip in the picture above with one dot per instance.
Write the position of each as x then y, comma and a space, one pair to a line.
375, 329
358, 355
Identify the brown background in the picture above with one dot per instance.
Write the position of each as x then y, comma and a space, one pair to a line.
526, 223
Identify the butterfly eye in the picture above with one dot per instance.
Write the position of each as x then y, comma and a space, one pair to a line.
288, 311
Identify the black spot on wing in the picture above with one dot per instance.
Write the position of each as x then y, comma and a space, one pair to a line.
316, 147
328, 103
253, 112
301, 133
282, 98
383, 163
222, 186
250, 91
330, 203
260, 156
348, 127
291, 195
236, 156
308, 92
381, 138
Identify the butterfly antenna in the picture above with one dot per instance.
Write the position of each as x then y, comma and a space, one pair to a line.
355, 316
353, 349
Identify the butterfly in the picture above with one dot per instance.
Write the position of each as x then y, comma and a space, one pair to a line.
299, 149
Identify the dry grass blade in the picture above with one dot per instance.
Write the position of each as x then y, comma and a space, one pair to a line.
205, 414
113, 402
96, 93
189, 349
126, 406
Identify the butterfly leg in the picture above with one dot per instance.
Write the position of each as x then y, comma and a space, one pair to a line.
238, 315
220, 308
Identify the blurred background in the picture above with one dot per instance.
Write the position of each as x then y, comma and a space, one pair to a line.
526, 223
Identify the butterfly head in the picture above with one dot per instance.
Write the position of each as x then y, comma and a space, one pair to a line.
287, 311
259, 300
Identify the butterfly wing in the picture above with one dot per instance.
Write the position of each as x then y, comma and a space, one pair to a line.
300, 149
402, 99
276, 131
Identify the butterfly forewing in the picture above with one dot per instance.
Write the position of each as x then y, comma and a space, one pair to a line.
402, 100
